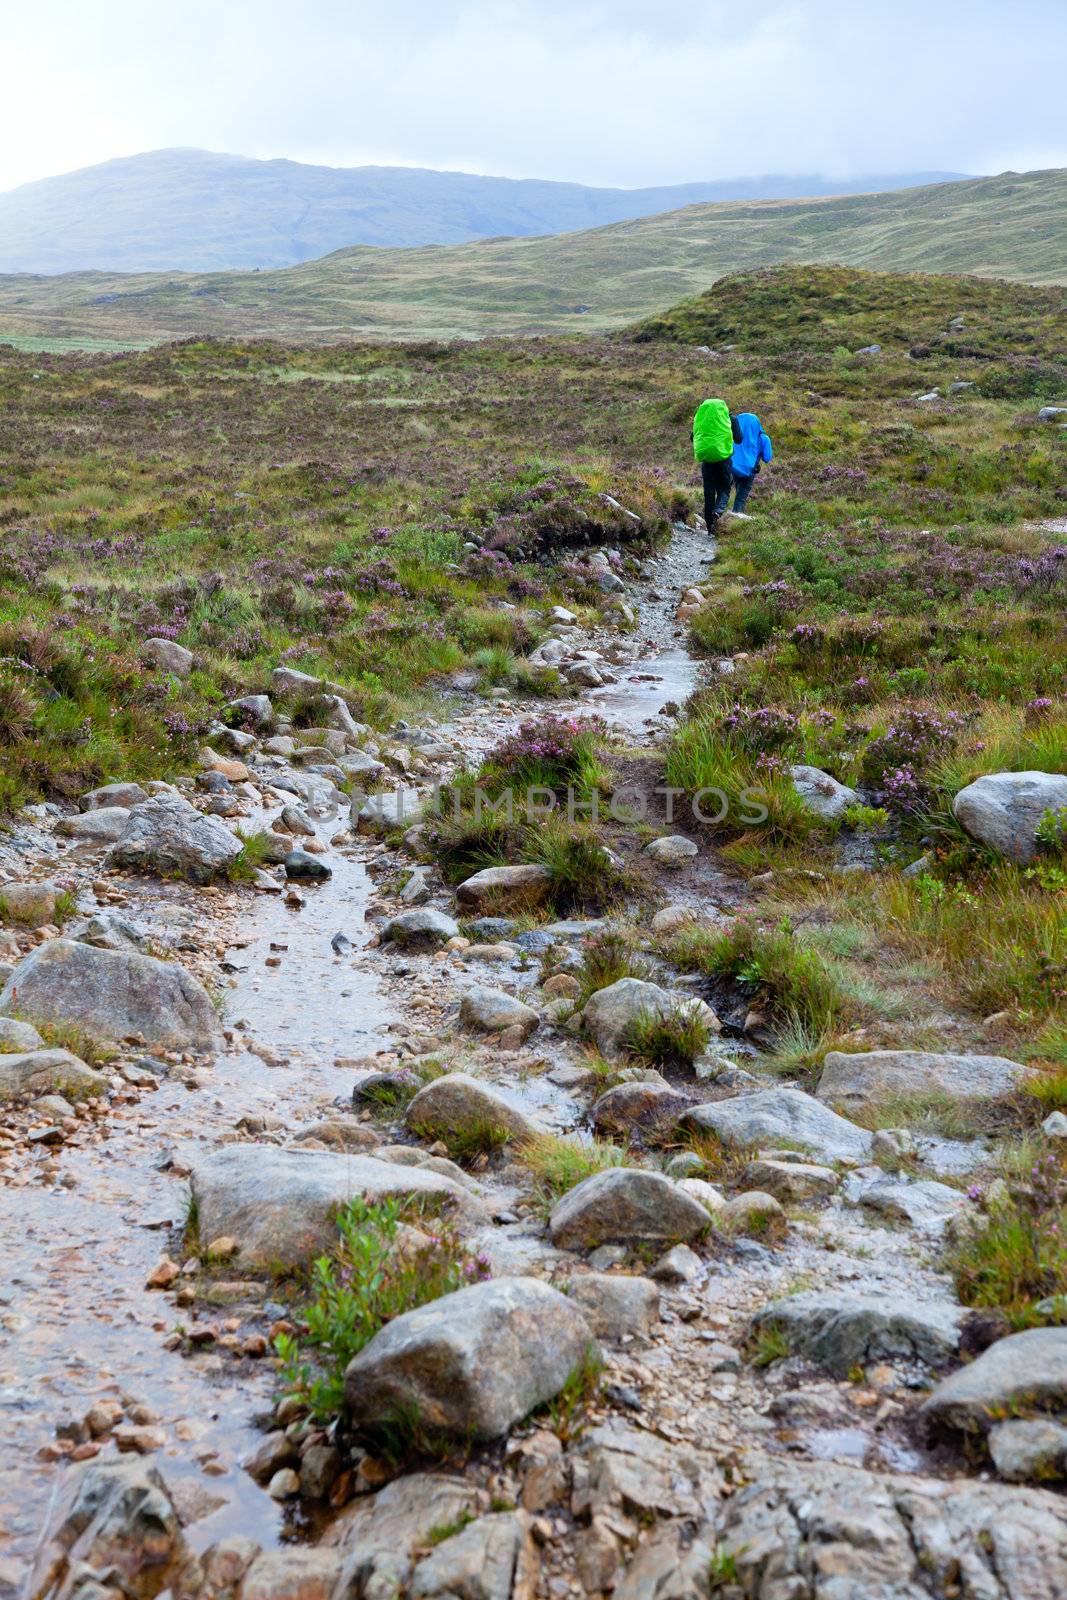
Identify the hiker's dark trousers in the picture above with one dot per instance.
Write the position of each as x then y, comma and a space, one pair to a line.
742, 489
717, 478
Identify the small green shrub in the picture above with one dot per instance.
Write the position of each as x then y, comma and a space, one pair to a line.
675, 1038
365, 1282
1016, 1254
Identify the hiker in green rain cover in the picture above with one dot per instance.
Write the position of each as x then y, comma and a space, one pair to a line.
715, 432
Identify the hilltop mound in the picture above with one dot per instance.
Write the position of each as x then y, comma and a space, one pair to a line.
775, 309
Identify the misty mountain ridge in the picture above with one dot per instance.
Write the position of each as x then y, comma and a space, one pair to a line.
199, 211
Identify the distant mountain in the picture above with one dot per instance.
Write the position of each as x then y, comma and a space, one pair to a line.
1012, 226
196, 211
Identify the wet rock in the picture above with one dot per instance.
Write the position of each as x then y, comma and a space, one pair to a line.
47, 1072
853, 1080
416, 890
492, 929
790, 1181
280, 1205
1026, 1371
339, 1133
492, 1559
922, 1203
380, 1533
505, 889
821, 793
671, 851
168, 836
15, 1035
119, 1521
254, 710
458, 1103
610, 1013
295, 821
320, 1467
630, 1470
751, 1212
473, 1363
678, 1265
32, 904
112, 995
781, 1116
301, 867
123, 795
703, 1193
383, 813
297, 1572
103, 826
168, 656
492, 1010
841, 1331
1029, 1451
1002, 810
273, 1453
423, 927
107, 930
625, 1205
638, 1104
615, 1305
839, 1533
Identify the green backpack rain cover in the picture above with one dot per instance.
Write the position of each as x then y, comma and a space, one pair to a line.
713, 438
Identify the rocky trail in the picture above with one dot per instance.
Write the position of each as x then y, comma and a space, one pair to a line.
773, 1419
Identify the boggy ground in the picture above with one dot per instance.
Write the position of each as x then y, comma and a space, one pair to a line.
709, 1453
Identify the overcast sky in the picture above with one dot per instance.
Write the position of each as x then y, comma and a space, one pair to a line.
624, 92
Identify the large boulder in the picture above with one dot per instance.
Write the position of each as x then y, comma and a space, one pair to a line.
1002, 810
473, 1363
168, 656
118, 1525
617, 1305
638, 1103
1029, 1450
781, 1116
492, 1010
32, 904
625, 1205
821, 793
1025, 1371
113, 995
853, 1080
840, 1331
505, 889
610, 1013
458, 1103
168, 836
18, 1036
422, 927
281, 1205
123, 795
47, 1072
800, 1529
104, 825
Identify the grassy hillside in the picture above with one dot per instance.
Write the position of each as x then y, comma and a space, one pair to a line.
1014, 226
775, 309
204, 212
897, 603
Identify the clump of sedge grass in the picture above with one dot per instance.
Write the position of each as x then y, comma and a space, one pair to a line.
673, 1038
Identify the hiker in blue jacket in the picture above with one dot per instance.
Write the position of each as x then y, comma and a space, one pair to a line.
753, 448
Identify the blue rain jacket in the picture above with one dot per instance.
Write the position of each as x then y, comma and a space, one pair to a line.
755, 445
